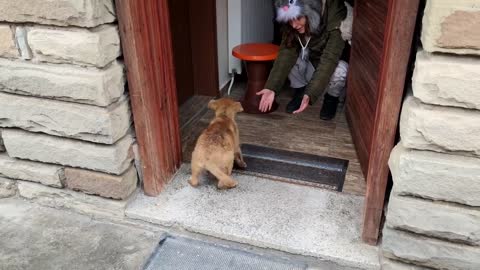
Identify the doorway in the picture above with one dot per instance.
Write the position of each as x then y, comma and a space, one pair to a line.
382, 63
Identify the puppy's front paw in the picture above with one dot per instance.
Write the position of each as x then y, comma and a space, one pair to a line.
193, 183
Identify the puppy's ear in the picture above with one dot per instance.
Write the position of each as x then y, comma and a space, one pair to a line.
212, 105
238, 107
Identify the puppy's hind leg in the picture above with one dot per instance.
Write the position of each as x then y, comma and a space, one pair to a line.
239, 159
196, 171
224, 180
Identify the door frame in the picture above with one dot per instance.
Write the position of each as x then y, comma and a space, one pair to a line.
144, 27
151, 79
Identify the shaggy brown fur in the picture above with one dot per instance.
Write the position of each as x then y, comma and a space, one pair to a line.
219, 145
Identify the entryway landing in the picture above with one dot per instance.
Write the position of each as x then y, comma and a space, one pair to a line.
264, 213
303, 133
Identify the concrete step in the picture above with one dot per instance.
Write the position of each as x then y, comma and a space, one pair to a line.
37, 237
264, 213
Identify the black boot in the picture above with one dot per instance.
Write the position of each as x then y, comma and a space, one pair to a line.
329, 107
296, 101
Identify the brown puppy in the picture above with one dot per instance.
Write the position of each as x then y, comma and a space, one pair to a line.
219, 145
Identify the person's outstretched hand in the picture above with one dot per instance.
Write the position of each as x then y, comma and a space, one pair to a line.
304, 105
267, 100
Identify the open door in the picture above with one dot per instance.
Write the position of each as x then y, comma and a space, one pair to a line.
194, 39
182, 52
381, 46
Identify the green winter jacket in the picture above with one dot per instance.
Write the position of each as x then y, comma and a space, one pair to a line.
325, 50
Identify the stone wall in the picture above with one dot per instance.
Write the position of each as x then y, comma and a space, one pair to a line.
65, 119
433, 217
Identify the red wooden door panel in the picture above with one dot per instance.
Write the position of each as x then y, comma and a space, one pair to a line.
365, 60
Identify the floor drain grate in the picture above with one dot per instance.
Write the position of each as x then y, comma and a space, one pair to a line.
187, 254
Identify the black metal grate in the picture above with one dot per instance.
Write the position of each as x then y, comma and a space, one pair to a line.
187, 254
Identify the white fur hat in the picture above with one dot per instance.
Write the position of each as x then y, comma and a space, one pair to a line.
313, 9
291, 9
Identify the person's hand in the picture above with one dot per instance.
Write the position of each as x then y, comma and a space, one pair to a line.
267, 100
304, 105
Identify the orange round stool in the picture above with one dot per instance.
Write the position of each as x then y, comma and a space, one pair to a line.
258, 58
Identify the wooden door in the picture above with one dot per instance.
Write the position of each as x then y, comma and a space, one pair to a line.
203, 34
381, 45
194, 38
182, 51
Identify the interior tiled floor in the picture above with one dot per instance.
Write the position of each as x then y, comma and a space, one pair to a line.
304, 132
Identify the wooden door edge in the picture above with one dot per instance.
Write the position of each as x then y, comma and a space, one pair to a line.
400, 26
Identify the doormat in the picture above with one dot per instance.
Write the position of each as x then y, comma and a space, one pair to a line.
302, 168
187, 254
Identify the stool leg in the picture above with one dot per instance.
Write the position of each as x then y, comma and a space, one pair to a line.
257, 74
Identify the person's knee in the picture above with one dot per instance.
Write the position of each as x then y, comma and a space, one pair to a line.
341, 71
338, 81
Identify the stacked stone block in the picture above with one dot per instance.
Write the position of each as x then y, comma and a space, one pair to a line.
65, 117
433, 217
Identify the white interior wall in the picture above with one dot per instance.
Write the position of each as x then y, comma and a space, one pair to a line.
222, 42
257, 21
249, 21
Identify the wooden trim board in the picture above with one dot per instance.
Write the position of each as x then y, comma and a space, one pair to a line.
147, 50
